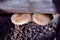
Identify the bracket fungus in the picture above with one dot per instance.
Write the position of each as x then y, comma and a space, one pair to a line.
41, 19
20, 19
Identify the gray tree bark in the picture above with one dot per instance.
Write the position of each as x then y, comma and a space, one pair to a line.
28, 6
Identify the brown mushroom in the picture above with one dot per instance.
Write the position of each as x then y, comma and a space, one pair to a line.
20, 19
41, 19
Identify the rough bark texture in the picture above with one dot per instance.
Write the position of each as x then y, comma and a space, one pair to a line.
30, 31
27, 6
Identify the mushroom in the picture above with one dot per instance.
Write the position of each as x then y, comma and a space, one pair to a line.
41, 19
20, 19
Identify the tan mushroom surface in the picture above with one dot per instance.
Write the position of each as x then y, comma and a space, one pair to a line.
41, 19
20, 19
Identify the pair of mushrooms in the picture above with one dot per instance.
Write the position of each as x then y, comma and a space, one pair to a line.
40, 19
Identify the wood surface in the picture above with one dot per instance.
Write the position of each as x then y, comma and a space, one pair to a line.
27, 6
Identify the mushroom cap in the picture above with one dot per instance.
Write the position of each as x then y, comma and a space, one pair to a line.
20, 19
41, 19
